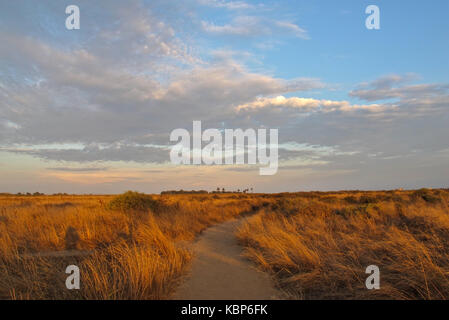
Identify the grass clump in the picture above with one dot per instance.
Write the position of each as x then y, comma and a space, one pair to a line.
426, 195
133, 201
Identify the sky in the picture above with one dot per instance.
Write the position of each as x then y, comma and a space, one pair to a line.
91, 110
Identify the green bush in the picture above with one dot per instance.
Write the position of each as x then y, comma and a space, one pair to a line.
133, 201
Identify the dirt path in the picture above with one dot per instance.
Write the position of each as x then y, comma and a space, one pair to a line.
220, 272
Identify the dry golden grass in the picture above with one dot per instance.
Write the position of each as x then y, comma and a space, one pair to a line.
133, 255
318, 245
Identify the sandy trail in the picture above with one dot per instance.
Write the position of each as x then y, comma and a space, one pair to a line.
220, 272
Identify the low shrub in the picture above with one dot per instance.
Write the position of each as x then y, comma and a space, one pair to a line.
368, 199
350, 199
426, 195
133, 201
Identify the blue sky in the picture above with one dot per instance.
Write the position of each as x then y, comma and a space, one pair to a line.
91, 110
413, 38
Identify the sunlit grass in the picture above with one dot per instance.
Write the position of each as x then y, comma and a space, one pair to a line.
319, 247
132, 254
316, 245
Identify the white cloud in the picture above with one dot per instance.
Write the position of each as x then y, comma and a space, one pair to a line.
255, 26
310, 104
392, 87
232, 5
298, 31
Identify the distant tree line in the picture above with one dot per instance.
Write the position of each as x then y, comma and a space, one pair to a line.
184, 192
218, 190
23, 194
31, 194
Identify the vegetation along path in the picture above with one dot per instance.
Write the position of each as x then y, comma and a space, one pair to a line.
219, 271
